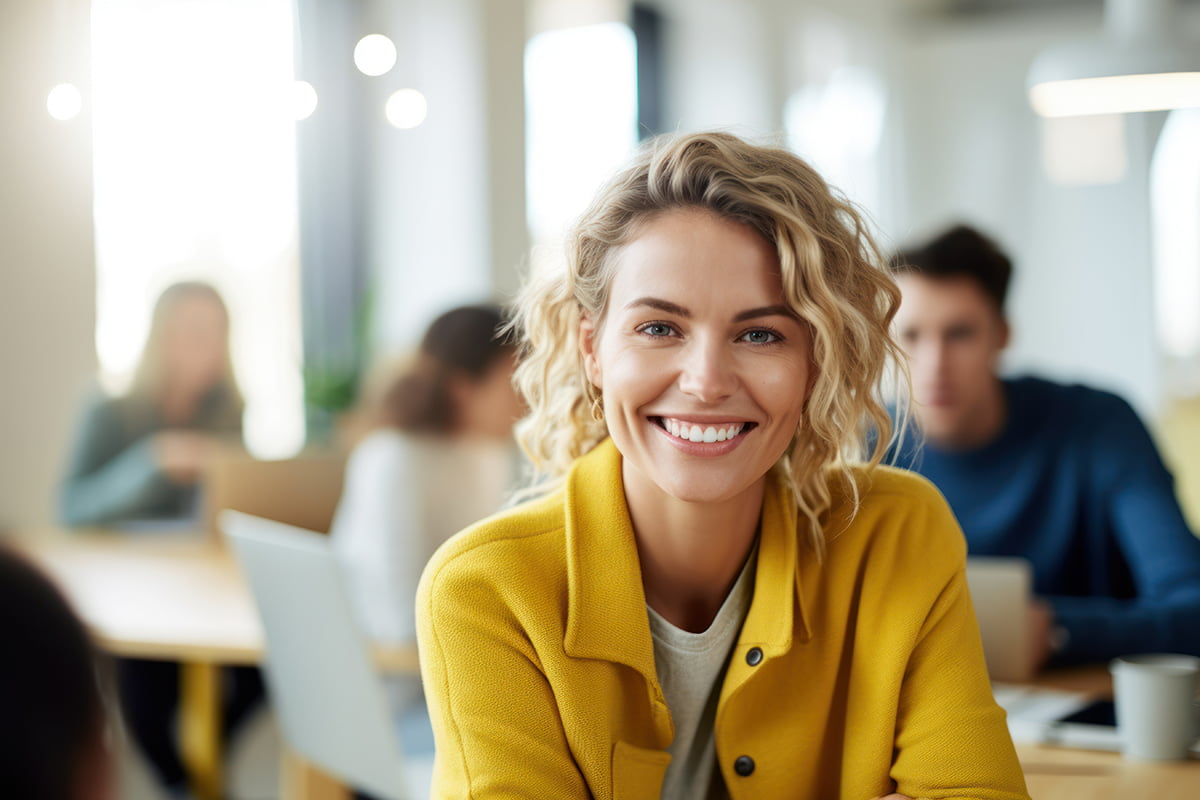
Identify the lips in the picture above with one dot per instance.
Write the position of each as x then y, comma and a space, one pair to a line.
708, 432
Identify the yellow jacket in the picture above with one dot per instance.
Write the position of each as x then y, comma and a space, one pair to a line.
850, 679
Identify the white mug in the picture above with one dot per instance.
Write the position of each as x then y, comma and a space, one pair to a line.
1155, 696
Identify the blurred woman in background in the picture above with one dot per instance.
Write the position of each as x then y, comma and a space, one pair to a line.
440, 457
140, 456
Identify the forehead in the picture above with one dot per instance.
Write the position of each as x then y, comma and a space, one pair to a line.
932, 301
196, 312
696, 254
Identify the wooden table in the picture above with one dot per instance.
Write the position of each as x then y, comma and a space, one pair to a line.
178, 596
1060, 773
181, 597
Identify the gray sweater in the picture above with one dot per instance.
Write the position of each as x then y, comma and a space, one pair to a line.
112, 475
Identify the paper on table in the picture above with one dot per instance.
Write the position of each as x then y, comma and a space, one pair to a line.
1035, 717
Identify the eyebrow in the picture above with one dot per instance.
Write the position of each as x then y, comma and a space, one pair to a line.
741, 316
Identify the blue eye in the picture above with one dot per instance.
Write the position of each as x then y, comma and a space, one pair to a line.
761, 336
656, 329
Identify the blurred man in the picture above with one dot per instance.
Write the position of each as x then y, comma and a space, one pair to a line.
1064, 476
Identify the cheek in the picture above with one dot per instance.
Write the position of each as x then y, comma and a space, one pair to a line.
781, 390
635, 377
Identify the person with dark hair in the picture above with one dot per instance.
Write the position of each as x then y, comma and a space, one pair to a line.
141, 456
1065, 476
53, 738
441, 456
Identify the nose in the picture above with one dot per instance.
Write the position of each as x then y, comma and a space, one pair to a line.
708, 371
926, 354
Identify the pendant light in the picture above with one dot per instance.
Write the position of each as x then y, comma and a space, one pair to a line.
1140, 63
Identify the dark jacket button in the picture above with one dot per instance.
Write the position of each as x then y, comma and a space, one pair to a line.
744, 765
754, 656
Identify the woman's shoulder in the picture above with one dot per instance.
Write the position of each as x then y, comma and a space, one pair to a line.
101, 412
527, 540
382, 443
894, 505
881, 484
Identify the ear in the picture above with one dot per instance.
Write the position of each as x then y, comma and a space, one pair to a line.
588, 333
1005, 333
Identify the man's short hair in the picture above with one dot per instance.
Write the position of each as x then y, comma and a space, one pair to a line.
960, 251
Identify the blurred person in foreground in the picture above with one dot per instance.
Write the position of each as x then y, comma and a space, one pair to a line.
441, 457
139, 458
53, 735
711, 599
1065, 476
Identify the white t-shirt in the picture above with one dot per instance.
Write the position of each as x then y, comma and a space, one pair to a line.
691, 669
403, 497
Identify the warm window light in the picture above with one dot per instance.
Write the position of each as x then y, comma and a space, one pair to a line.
194, 175
406, 108
374, 54
1117, 94
1175, 207
64, 102
580, 121
304, 100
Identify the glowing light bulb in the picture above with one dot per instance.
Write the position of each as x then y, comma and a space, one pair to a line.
374, 54
304, 100
406, 108
64, 102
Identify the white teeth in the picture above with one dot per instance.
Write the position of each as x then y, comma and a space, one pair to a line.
699, 433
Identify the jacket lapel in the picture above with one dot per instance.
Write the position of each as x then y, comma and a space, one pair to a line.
606, 614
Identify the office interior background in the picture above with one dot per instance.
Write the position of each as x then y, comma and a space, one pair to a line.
338, 235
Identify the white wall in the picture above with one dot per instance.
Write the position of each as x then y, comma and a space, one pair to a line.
447, 219
47, 285
722, 67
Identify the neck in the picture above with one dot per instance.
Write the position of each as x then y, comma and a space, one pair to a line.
691, 553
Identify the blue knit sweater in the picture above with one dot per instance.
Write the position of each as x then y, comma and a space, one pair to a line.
1074, 484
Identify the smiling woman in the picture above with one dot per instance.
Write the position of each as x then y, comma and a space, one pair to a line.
712, 598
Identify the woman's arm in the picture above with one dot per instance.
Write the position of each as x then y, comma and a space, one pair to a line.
1137, 496
495, 720
110, 477
948, 724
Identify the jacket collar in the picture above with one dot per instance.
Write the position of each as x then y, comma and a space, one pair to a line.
606, 614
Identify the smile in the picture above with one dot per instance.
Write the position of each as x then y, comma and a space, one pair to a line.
701, 432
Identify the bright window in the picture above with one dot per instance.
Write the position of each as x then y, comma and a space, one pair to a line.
1175, 205
195, 179
837, 125
581, 120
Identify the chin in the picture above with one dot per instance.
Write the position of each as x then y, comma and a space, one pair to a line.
941, 430
702, 490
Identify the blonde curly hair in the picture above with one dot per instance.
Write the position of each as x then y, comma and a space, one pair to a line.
833, 278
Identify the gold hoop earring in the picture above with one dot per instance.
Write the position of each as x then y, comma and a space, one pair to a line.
597, 408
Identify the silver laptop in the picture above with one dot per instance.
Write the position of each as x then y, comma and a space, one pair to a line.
330, 701
1001, 591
